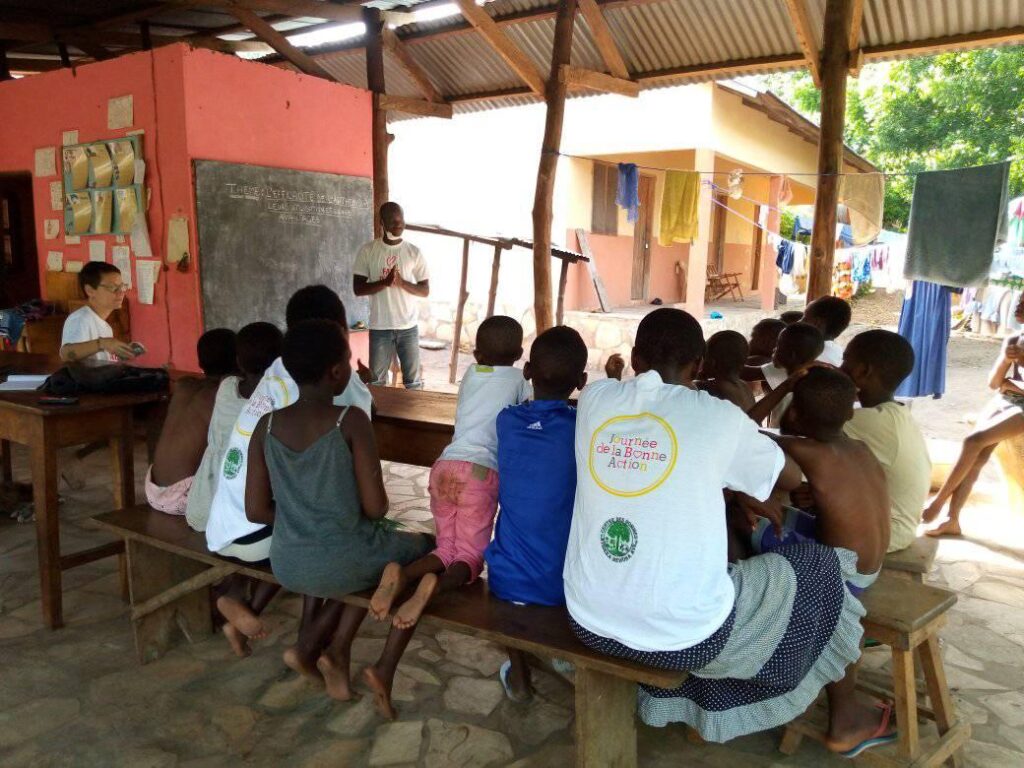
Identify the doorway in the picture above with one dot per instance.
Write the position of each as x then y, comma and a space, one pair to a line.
642, 233
19, 266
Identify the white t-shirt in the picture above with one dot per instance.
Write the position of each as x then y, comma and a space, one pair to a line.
647, 557
891, 433
485, 392
277, 389
832, 354
85, 325
775, 376
392, 309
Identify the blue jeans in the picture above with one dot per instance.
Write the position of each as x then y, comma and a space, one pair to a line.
384, 345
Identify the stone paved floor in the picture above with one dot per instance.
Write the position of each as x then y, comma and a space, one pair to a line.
77, 697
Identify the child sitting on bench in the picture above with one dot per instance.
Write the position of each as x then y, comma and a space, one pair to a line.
799, 345
463, 493
830, 315
763, 338
536, 487
183, 436
315, 476
720, 371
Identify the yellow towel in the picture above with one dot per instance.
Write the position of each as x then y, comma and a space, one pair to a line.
864, 195
679, 207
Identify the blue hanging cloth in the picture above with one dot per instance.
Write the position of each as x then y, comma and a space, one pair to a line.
924, 322
784, 260
627, 195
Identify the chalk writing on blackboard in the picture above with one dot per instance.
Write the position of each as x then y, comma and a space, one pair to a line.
296, 205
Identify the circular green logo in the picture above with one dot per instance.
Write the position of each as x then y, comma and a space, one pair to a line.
618, 539
233, 463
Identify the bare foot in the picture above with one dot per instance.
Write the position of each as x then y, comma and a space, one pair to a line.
392, 582
410, 611
336, 678
931, 512
381, 693
294, 661
868, 723
239, 643
948, 528
242, 617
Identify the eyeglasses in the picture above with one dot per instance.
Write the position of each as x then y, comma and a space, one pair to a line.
121, 288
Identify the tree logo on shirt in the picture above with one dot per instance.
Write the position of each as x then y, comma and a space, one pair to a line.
633, 454
618, 539
233, 463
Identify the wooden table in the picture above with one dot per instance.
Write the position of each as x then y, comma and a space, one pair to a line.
412, 426
46, 429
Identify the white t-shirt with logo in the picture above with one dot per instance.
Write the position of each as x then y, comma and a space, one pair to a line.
85, 325
485, 392
392, 309
227, 522
647, 557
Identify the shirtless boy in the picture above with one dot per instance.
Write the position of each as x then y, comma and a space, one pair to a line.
720, 371
183, 437
763, 338
799, 345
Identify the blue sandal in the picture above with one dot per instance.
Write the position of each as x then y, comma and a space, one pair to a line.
878, 738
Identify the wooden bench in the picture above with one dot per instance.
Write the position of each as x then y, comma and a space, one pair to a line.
906, 616
170, 570
914, 562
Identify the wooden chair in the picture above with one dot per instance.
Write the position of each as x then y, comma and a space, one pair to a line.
721, 283
915, 561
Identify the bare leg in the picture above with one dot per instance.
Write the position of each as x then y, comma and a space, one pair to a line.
410, 611
334, 661
313, 636
850, 721
381, 676
1002, 426
959, 498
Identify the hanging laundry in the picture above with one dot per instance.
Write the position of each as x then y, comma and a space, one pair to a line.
784, 261
844, 235
627, 195
956, 220
864, 196
802, 225
785, 192
862, 266
679, 207
924, 322
800, 253
1015, 235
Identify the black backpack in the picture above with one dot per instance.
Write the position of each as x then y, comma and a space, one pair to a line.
109, 379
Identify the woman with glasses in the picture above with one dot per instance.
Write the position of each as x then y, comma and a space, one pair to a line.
87, 334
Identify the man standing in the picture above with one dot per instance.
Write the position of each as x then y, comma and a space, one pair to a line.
391, 271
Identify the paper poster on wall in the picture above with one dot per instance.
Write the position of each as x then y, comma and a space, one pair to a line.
127, 209
101, 169
177, 239
120, 112
97, 250
69, 137
103, 211
79, 212
73, 266
140, 239
51, 229
72, 239
121, 256
46, 162
146, 273
76, 166
55, 261
56, 196
123, 154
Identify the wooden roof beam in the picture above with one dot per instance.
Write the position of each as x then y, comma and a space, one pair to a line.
279, 43
410, 66
603, 39
505, 48
805, 34
856, 54
1004, 36
415, 106
578, 77
318, 9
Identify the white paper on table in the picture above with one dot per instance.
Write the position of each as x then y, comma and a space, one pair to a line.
56, 196
55, 261
73, 266
69, 137
121, 256
72, 239
146, 275
97, 250
23, 383
120, 112
46, 162
51, 229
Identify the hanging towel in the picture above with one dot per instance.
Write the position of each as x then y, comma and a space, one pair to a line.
956, 220
864, 196
679, 207
784, 261
628, 194
924, 322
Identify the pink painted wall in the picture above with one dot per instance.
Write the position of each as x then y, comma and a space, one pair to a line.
191, 104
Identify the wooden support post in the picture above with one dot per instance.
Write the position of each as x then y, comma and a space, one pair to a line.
5, 72
147, 39
492, 295
563, 278
453, 366
375, 82
543, 199
769, 272
65, 57
835, 63
605, 720
186, 587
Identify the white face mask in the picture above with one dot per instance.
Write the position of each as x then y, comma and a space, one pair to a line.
391, 236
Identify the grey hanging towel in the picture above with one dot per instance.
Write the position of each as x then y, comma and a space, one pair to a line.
956, 220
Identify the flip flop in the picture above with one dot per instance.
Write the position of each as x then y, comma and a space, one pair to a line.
503, 674
878, 738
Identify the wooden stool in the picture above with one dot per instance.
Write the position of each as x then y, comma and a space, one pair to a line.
906, 616
915, 561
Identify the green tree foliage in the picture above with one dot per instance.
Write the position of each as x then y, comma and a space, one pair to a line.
945, 111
